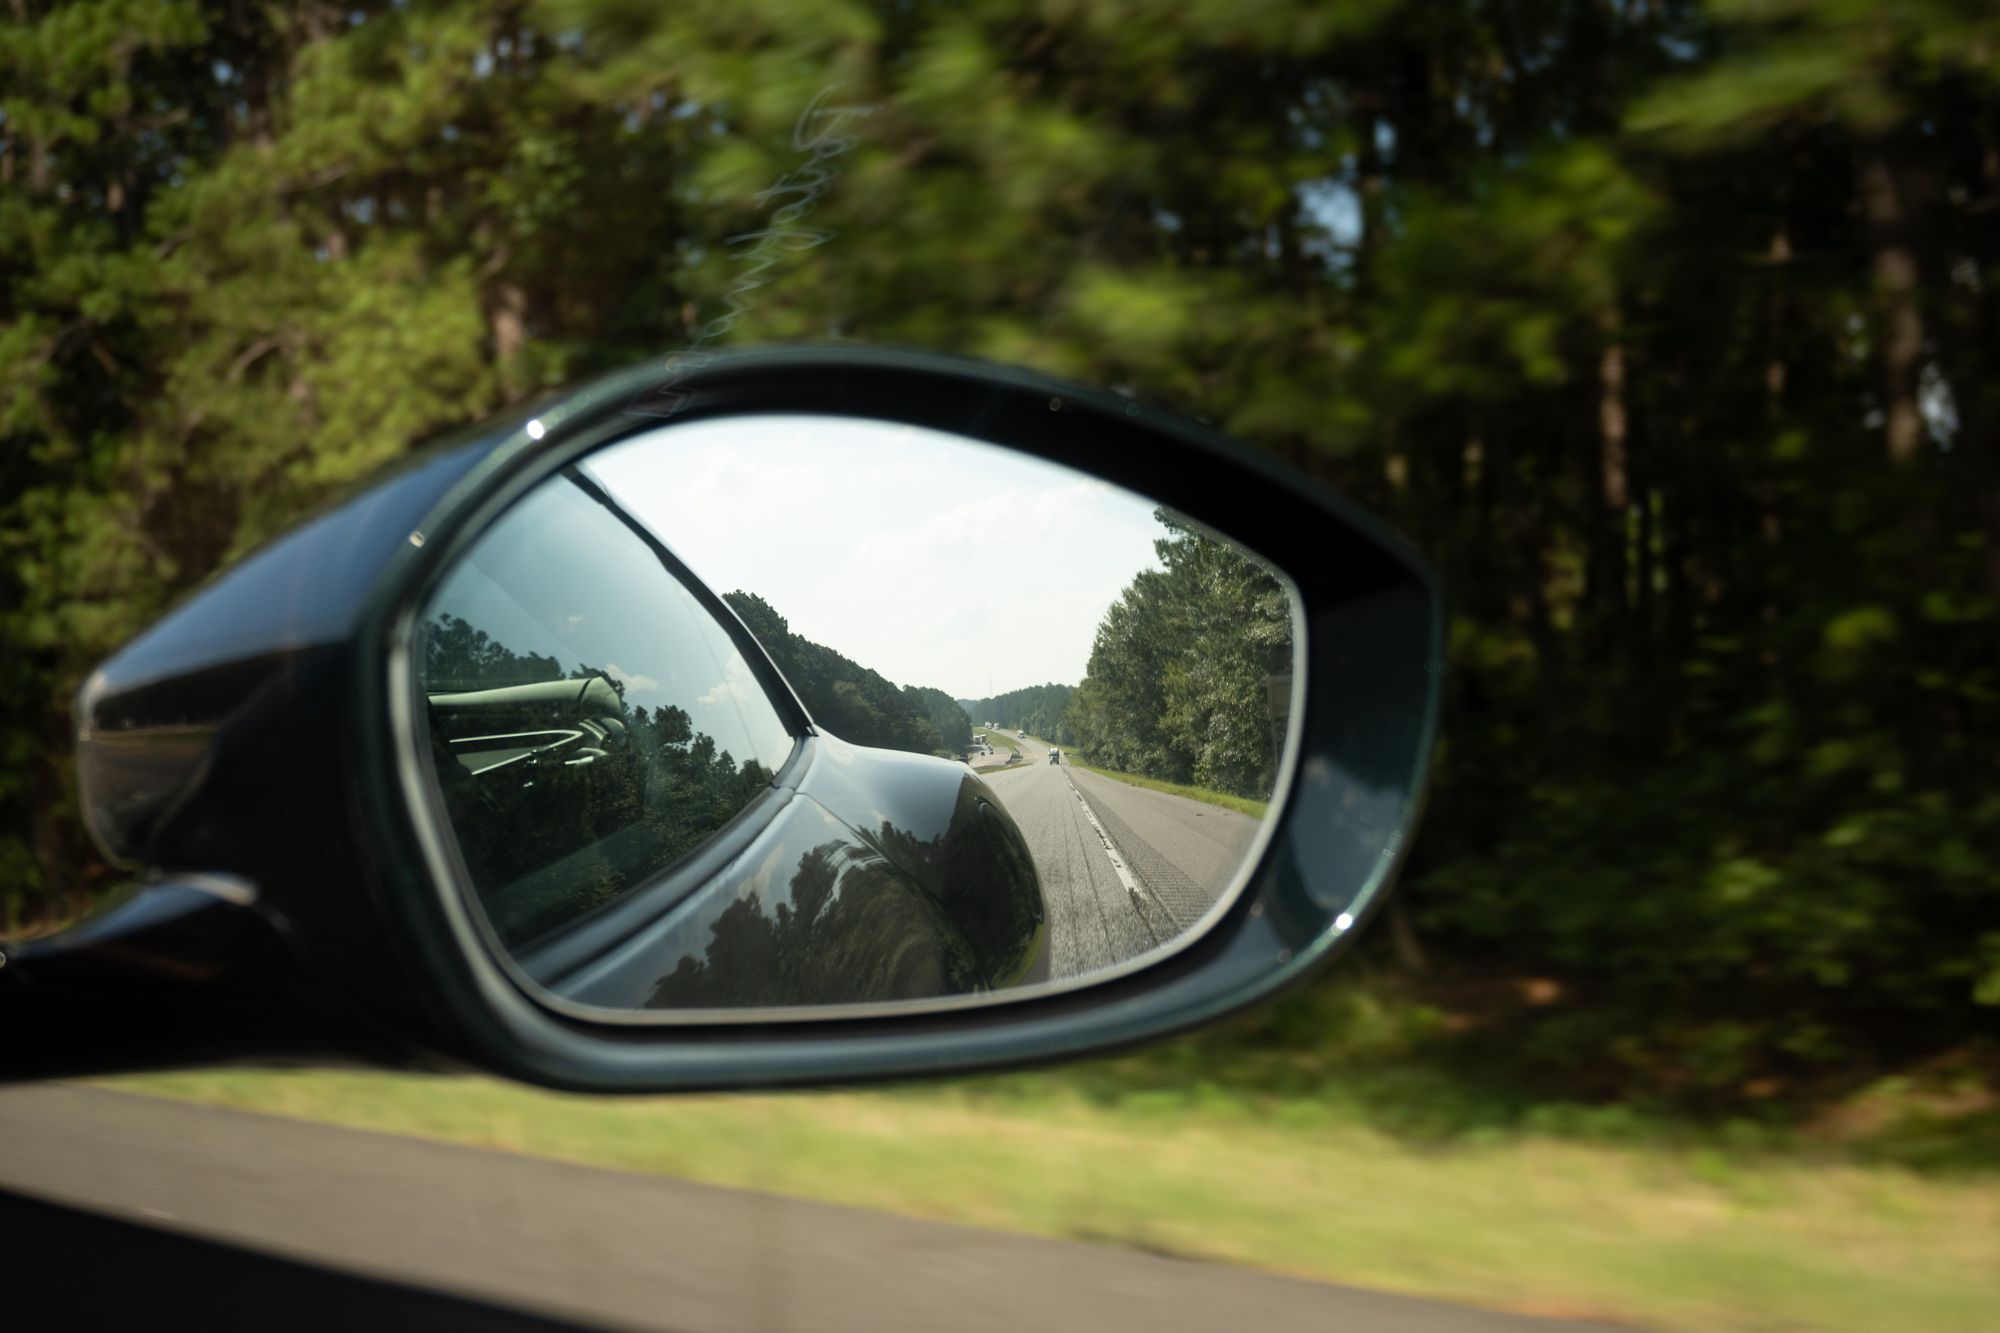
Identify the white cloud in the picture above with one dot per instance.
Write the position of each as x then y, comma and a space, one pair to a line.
724, 691
634, 681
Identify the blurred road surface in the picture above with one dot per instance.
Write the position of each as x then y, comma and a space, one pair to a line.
629, 1251
1123, 869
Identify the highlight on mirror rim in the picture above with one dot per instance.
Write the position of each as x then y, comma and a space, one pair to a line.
804, 713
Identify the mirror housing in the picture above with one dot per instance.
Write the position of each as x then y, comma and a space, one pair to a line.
243, 754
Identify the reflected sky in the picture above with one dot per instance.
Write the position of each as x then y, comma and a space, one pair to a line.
932, 559
558, 577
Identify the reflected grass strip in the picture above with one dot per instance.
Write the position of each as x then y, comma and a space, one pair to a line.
1241, 804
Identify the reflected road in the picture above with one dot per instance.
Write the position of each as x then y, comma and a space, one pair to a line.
1123, 869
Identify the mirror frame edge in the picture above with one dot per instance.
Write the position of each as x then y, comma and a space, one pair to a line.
496, 1025
563, 461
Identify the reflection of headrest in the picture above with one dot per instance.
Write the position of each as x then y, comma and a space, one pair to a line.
568, 697
449, 771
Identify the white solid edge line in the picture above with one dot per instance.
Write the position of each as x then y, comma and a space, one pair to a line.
1125, 876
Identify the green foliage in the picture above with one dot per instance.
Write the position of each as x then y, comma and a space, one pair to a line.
1865, 64
1479, 295
847, 699
1178, 686
953, 727
1036, 709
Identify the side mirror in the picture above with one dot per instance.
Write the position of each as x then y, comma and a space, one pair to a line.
657, 739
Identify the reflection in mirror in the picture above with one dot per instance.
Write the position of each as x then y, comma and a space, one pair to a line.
1042, 719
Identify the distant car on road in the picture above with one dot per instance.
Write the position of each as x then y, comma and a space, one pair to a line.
1055, 756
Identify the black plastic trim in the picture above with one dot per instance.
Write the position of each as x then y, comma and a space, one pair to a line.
298, 778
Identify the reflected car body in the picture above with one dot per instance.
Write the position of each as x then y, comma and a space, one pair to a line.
881, 876
625, 865
860, 875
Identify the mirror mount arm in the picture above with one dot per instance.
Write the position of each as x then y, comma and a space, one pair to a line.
181, 969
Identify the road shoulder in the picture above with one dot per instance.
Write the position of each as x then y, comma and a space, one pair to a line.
634, 1251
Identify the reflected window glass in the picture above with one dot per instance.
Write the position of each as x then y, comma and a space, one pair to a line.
591, 722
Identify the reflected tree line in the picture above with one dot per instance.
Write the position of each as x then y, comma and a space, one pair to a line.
563, 799
851, 701
1035, 709
1181, 675
851, 930
1182, 672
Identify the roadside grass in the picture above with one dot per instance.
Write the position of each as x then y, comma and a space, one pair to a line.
1240, 804
1006, 750
1671, 1237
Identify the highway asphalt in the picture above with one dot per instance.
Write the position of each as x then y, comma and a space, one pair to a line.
614, 1250
1124, 869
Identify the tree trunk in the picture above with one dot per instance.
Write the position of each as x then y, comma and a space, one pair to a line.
1403, 937
1611, 418
1611, 494
1894, 264
1770, 524
507, 312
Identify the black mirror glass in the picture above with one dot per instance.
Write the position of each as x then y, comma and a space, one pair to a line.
780, 711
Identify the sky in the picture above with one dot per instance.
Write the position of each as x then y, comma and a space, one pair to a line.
933, 559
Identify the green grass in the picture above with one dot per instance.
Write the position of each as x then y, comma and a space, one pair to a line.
1240, 804
1000, 739
1668, 1238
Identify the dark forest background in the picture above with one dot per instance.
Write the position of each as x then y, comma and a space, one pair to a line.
1668, 328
